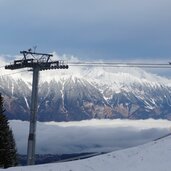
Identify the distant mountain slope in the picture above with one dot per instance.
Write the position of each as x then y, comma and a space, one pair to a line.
152, 156
90, 92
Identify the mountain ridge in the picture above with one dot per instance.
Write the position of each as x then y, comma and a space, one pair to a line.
86, 93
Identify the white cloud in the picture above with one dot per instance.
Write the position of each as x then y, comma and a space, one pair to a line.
89, 136
91, 73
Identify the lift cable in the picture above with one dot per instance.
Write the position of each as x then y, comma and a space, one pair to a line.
108, 65
124, 66
120, 64
14, 73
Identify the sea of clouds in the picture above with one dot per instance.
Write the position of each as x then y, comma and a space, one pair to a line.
88, 136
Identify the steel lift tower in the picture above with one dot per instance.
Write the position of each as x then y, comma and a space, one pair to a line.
37, 62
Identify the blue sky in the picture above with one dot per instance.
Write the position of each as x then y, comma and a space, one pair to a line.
91, 29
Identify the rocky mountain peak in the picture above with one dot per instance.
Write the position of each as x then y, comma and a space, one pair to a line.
90, 92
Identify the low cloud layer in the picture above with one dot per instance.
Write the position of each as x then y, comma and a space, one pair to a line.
89, 136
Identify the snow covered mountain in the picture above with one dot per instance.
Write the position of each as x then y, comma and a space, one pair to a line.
152, 156
90, 92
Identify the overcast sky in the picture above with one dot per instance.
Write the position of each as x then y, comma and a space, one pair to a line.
91, 29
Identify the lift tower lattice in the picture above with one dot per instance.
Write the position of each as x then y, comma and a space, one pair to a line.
37, 62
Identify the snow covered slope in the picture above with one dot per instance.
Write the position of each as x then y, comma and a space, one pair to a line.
154, 156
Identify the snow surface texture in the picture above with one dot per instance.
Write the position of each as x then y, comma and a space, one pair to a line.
89, 136
154, 156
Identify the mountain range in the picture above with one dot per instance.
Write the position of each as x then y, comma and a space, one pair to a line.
89, 92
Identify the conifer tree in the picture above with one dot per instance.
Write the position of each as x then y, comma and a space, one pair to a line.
8, 152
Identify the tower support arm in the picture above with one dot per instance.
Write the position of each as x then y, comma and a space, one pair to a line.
35, 53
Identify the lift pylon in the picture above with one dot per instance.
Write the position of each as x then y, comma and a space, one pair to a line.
37, 62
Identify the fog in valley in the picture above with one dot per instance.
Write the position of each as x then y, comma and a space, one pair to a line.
88, 136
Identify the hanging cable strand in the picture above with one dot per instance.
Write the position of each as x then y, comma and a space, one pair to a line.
14, 73
104, 66
109, 65
116, 65
119, 64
